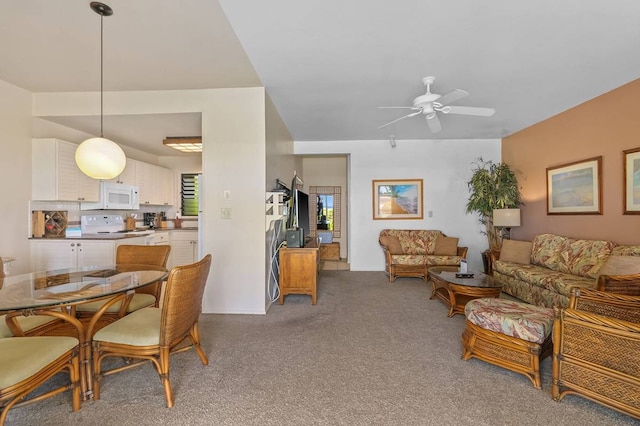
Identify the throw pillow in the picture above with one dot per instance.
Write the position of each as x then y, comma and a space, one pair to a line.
393, 244
516, 251
621, 265
446, 246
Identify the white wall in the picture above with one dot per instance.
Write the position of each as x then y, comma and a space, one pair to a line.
15, 174
444, 165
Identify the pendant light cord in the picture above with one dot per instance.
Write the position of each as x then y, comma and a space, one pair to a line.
101, 71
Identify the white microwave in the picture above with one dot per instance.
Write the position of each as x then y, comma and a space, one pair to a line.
115, 196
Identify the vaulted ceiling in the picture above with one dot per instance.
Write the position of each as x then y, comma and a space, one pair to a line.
328, 65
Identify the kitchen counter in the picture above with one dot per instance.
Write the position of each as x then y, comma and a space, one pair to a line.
113, 236
118, 236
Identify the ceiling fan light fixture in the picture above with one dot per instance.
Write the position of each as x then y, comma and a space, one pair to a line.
100, 158
184, 143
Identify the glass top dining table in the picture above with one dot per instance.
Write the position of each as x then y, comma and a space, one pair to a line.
64, 287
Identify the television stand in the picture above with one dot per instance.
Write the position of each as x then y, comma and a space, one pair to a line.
299, 271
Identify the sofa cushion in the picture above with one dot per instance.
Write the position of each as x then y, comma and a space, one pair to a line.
621, 265
626, 251
546, 250
408, 259
433, 260
583, 257
516, 251
446, 246
392, 243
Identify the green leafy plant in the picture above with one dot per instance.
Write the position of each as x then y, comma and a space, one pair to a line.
492, 186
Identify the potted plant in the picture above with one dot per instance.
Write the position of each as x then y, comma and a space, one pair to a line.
492, 186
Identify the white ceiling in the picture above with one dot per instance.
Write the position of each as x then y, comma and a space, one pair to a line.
329, 64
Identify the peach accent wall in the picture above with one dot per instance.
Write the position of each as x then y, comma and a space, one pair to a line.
603, 126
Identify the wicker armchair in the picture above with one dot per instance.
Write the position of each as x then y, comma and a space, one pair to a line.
620, 284
143, 297
596, 346
154, 333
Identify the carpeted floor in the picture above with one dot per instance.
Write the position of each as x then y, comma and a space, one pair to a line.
369, 353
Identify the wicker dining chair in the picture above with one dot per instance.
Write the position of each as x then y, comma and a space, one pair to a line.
154, 333
28, 362
143, 297
596, 347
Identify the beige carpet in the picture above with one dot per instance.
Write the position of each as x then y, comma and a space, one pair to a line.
369, 353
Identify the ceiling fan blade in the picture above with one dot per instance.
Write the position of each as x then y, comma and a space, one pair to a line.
413, 114
403, 107
452, 96
434, 123
482, 112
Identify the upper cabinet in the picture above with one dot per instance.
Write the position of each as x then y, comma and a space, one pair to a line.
55, 175
128, 175
156, 184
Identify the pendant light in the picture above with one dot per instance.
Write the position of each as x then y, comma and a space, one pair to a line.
100, 158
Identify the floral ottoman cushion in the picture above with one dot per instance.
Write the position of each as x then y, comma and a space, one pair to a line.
516, 319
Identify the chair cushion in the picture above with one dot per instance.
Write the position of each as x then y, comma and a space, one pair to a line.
140, 328
26, 323
516, 319
22, 357
446, 246
516, 251
138, 301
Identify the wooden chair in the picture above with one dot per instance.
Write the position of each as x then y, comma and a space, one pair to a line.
143, 297
153, 333
28, 362
596, 347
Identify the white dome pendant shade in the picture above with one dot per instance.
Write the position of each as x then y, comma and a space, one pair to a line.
100, 158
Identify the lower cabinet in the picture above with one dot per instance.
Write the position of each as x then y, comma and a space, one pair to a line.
51, 254
184, 247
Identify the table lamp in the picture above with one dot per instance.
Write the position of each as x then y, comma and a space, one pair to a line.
505, 219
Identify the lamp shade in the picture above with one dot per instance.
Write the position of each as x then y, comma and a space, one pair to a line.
100, 158
506, 217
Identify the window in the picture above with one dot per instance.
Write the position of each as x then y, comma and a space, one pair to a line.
189, 194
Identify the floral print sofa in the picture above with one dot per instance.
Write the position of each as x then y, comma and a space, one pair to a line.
410, 253
555, 265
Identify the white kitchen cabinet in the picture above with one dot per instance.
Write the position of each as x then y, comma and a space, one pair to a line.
166, 186
60, 254
184, 247
55, 175
146, 181
128, 175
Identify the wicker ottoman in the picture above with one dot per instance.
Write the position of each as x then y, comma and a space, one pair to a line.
509, 334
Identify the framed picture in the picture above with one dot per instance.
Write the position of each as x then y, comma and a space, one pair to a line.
575, 188
397, 199
632, 181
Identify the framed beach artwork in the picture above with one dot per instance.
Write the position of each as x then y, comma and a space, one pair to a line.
632, 181
397, 199
575, 188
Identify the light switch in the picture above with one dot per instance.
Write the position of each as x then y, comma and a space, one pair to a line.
226, 212
226, 194
430, 213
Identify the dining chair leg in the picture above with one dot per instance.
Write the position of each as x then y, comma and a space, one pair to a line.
163, 372
195, 338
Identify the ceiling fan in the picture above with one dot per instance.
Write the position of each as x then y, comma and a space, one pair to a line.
430, 104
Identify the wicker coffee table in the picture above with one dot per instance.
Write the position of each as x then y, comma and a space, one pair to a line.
456, 292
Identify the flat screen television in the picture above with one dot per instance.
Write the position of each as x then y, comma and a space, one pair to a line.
303, 212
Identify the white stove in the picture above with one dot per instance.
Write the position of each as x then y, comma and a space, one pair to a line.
107, 224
